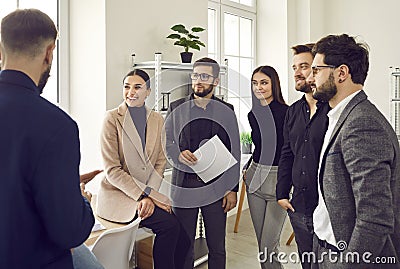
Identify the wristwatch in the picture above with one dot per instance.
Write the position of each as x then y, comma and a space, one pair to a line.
146, 192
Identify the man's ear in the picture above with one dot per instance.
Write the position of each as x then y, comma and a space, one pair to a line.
49, 53
343, 72
216, 81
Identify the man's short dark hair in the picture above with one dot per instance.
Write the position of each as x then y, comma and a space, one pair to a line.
302, 48
343, 49
208, 62
25, 31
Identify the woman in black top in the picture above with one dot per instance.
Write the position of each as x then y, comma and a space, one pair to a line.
266, 121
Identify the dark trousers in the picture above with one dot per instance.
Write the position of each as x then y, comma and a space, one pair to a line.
171, 242
303, 230
323, 254
215, 226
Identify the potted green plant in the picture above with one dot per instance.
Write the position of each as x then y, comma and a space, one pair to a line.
186, 39
246, 141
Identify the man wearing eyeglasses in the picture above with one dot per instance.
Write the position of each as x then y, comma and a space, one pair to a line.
304, 129
190, 122
358, 212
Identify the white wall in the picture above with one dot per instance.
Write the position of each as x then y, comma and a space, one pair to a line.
88, 76
377, 24
272, 38
103, 35
141, 27
309, 20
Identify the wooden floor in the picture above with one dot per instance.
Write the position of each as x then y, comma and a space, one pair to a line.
241, 247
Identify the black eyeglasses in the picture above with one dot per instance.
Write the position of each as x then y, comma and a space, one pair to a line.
203, 76
317, 68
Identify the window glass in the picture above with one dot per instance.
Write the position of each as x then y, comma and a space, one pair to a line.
50, 7
211, 31
245, 37
247, 2
246, 69
233, 76
236, 38
231, 34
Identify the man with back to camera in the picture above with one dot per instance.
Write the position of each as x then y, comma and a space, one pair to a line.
44, 214
190, 122
359, 173
304, 129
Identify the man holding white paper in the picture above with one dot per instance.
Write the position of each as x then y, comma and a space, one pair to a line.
203, 147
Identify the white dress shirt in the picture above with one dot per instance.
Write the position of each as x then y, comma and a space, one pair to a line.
322, 223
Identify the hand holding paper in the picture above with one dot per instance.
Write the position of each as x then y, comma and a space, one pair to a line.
187, 157
213, 158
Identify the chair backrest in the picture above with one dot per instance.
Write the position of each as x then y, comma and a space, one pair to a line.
114, 247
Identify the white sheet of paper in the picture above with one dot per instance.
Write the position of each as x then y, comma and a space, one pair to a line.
213, 158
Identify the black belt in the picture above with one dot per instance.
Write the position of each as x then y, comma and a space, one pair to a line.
193, 177
326, 245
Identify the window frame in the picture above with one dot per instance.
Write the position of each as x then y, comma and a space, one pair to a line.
243, 102
243, 14
252, 9
62, 47
63, 55
217, 29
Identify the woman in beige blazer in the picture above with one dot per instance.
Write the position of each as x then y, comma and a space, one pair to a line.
132, 149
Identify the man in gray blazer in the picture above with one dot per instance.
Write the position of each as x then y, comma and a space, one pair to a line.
356, 222
190, 122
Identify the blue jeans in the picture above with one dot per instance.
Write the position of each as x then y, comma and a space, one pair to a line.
83, 258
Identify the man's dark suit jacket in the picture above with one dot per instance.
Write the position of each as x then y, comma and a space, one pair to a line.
43, 214
178, 139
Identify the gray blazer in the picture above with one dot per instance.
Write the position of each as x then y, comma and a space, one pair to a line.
178, 139
360, 182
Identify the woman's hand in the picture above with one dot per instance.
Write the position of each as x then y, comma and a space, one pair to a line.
161, 201
244, 174
163, 206
145, 208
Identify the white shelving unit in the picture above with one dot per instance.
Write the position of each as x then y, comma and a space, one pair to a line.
181, 71
395, 100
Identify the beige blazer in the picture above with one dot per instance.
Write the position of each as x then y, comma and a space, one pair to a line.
128, 170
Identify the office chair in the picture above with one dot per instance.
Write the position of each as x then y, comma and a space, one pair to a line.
114, 247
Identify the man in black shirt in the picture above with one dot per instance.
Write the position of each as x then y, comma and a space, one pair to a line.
190, 122
305, 125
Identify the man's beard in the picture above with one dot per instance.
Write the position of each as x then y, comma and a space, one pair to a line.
326, 91
306, 88
205, 92
43, 79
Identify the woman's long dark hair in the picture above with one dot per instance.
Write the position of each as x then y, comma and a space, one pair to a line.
140, 73
276, 84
